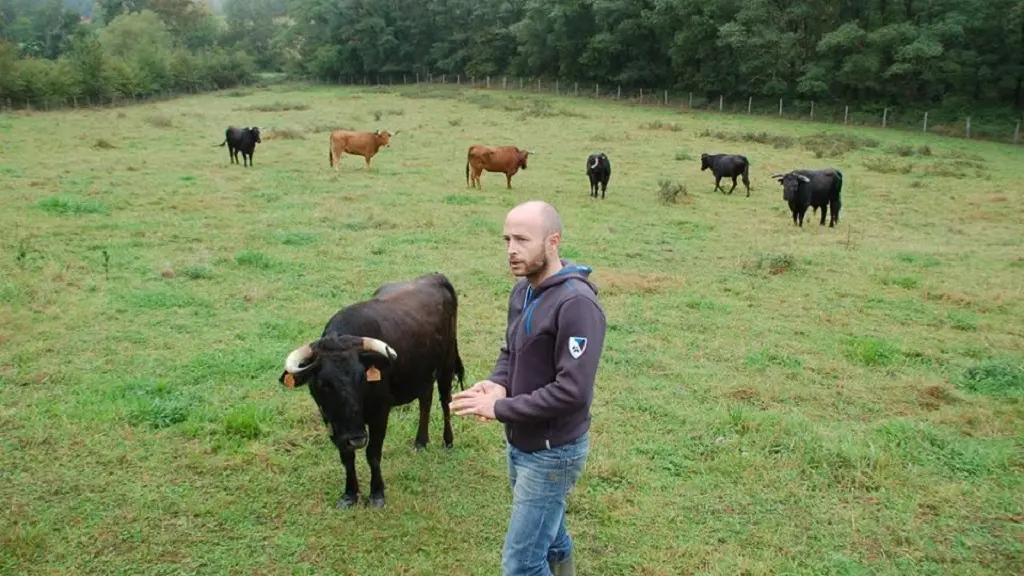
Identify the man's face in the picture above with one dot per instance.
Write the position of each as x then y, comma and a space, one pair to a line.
526, 244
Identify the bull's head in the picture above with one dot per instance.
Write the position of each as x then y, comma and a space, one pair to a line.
384, 137
705, 162
256, 132
522, 156
340, 370
790, 183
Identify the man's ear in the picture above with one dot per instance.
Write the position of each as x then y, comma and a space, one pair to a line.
376, 364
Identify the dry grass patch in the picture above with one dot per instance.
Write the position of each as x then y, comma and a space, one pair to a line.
615, 283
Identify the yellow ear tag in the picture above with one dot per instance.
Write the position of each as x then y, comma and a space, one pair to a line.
289, 380
372, 374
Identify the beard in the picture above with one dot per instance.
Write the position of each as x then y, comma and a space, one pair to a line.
536, 266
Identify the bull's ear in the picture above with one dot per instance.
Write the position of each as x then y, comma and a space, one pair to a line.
296, 379
376, 364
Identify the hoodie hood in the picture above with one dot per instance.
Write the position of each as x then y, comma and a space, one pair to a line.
570, 271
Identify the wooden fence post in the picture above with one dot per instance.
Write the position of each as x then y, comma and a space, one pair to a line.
556, 86
1016, 133
750, 103
968, 127
641, 95
666, 98
538, 84
618, 96
846, 114
690, 105
885, 117
576, 88
925, 127
520, 82
488, 81
597, 90
812, 110
780, 106
458, 79
504, 82
721, 99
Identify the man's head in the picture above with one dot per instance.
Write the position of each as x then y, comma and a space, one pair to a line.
533, 231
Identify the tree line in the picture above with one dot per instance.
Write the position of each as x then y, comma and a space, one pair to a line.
953, 57
956, 54
59, 52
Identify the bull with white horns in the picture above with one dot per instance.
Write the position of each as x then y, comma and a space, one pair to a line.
383, 352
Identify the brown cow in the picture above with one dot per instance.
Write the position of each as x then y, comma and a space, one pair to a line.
365, 144
507, 159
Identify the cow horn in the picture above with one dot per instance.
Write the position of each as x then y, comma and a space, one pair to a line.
777, 176
594, 165
378, 346
294, 360
802, 177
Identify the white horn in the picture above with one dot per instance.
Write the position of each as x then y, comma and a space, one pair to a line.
802, 177
595, 163
378, 346
777, 176
294, 360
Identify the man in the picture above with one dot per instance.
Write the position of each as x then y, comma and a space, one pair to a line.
541, 389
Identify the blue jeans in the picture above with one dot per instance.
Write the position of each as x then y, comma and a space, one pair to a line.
541, 482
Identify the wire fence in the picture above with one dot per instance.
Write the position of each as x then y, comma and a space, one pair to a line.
895, 117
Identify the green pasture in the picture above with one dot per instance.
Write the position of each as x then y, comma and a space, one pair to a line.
771, 400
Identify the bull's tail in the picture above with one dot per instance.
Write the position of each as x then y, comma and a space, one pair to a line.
330, 156
455, 358
222, 143
837, 198
467, 169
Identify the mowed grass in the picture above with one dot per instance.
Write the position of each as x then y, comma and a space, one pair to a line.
771, 400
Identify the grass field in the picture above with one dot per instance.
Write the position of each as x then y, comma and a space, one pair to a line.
772, 400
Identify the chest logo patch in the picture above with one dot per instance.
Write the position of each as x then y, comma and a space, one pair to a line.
577, 345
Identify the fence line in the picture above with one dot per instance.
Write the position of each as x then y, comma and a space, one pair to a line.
808, 110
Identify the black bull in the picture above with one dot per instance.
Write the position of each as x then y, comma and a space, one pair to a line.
727, 166
814, 188
242, 140
383, 352
599, 170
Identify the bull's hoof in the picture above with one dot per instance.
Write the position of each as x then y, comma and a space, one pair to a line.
375, 501
347, 501
449, 446
419, 446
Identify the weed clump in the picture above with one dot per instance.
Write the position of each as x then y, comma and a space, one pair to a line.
773, 264
669, 191
993, 377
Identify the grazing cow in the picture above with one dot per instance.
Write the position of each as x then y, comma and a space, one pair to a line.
727, 166
365, 144
599, 170
507, 159
816, 188
383, 352
242, 140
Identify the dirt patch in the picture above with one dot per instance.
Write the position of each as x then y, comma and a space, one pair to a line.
612, 282
744, 394
934, 396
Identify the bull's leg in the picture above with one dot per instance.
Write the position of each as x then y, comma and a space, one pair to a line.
834, 209
824, 209
604, 187
378, 429
351, 495
746, 184
367, 162
422, 433
444, 388
733, 185
508, 181
718, 180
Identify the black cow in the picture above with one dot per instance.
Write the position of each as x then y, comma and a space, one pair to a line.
599, 170
727, 166
373, 355
242, 140
815, 188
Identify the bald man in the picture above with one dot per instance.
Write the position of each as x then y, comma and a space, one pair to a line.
541, 389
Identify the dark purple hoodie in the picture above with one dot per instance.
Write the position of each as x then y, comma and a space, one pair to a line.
553, 346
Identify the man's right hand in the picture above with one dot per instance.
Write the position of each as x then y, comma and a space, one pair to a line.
481, 388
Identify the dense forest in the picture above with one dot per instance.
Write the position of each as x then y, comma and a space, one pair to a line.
950, 54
